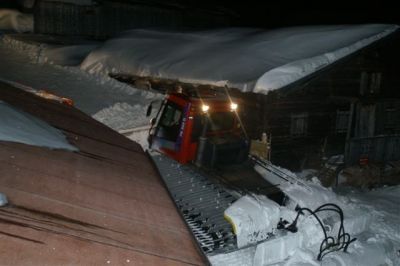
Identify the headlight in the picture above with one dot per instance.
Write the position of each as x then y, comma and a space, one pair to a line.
234, 106
205, 108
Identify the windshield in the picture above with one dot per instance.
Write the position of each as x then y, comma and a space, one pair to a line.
221, 121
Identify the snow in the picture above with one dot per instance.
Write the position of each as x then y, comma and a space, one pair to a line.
372, 217
18, 126
116, 104
251, 60
241, 257
253, 218
55, 52
71, 55
13, 20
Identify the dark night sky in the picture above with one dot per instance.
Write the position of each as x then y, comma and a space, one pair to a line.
280, 13
285, 13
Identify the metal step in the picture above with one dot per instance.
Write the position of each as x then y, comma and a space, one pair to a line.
202, 201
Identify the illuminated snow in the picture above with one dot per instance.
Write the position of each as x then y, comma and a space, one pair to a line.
248, 59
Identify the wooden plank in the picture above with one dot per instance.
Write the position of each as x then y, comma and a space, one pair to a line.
102, 205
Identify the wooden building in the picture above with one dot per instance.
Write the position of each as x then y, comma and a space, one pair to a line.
104, 18
351, 109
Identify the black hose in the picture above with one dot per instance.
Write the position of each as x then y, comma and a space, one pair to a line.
329, 244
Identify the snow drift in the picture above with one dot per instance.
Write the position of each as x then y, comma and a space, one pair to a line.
13, 20
251, 60
17, 126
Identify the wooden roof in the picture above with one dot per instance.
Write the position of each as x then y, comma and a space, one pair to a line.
103, 205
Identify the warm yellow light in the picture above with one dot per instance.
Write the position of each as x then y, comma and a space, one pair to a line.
205, 108
234, 106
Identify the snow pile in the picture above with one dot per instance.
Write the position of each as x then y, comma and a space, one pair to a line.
65, 55
248, 59
122, 116
138, 134
253, 218
384, 206
13, 20
57, 54
372, 217
100, 96
32, 50
3, 200
17, 126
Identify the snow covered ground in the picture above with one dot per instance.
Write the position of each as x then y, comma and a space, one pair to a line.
372, 217
121, 107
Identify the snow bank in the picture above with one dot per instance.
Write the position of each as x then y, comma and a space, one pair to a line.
248, 59
68, 55
139, 135
372, 217
122, 115
57, 54
17, 126
117, 104
253, 218
13, 20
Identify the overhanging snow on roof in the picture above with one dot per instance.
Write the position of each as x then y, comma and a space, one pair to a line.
21, 127
251, 60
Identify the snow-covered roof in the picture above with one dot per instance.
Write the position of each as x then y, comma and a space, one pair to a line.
252, 60
18, 126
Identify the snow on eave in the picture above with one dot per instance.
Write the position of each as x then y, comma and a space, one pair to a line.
248, 59
287, 74
18, 126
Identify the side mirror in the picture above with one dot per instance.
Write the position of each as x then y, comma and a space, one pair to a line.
149, 109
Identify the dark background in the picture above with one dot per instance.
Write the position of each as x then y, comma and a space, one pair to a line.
284, 13
279, 13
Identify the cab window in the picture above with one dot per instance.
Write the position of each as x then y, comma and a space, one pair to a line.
170, 122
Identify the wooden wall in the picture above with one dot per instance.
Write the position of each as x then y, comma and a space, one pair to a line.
110, 17
326, 97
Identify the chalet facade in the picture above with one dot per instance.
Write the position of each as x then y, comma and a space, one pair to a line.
350, 109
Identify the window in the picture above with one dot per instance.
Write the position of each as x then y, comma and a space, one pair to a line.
221, 121
170, 122
299, 124
391, 120
370, 83
342, 121
375, 82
